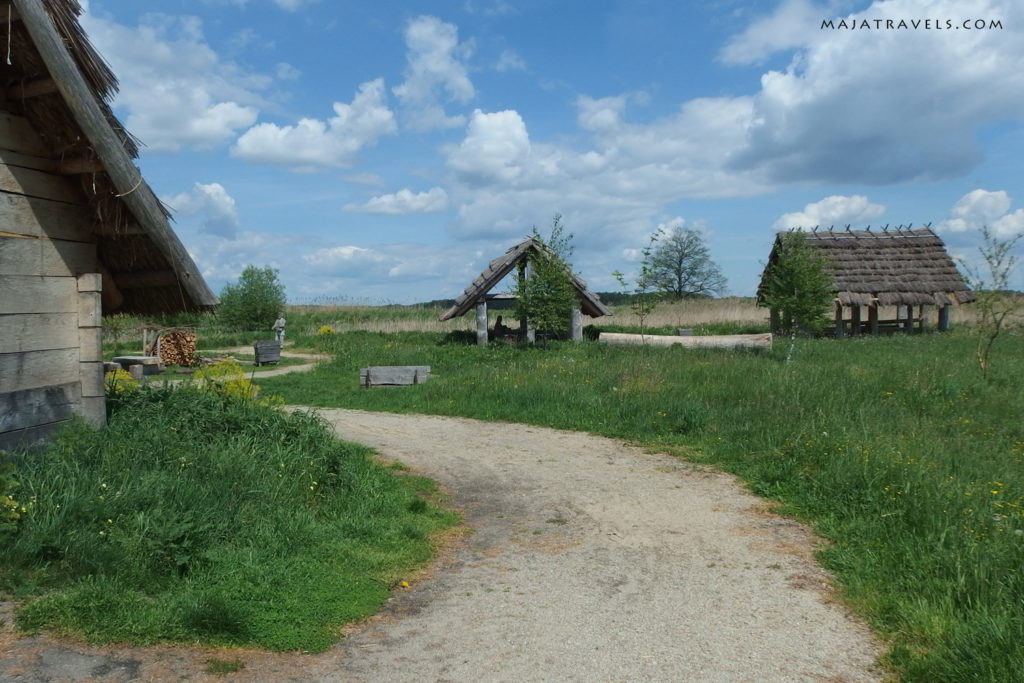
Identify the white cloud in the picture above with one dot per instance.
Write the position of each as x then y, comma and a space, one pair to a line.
496, 148
286, 72
981, 208
834, 210
213, 203
509, 60
404, 202
176, 91
600, 115
313, 143
436, 71
789, 26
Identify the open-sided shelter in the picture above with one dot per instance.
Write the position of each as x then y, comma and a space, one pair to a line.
81, 232
478, 293
905, 268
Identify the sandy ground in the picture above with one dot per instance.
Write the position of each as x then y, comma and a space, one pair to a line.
584, 560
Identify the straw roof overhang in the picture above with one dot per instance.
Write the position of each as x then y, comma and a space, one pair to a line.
899, 267
590, 303
61, 86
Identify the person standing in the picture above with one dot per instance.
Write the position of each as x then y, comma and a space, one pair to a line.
278, 328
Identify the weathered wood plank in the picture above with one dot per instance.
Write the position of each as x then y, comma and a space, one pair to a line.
35, 369
18, 135
25, 438
90, 313
393, 375
33, 183
9, 158
92, 379
46, 257
90, 344
726, 341
32, 407
39, 217
38, 332
24, 294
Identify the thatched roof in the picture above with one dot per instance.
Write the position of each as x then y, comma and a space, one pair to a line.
892, 267
61, 86
590, 303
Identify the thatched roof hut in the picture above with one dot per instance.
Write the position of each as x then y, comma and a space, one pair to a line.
902, 267
82, 232
477, 294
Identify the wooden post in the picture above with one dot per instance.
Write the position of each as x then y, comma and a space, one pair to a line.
944, 318
873, 317
481, 322
577, 325
90, 340
920, 318
855, 320
839, 320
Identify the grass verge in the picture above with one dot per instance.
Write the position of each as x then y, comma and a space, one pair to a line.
197, 515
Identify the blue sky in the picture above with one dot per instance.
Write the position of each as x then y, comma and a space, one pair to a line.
385, 152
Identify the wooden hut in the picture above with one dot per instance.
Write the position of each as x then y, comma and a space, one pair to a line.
903, 269
81, 232
478, 294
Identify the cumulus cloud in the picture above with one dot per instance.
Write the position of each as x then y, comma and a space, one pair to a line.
509, 60
436, 73
404, 202
213, 203
981, 208
865, 106
834, 210
496, 148
787, 27
313, 143
176, 91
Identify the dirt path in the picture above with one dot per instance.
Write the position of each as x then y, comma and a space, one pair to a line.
587, 560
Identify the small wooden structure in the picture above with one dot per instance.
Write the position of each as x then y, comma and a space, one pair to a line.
904, 268
478, 294
81, 232
266, 352
393, 375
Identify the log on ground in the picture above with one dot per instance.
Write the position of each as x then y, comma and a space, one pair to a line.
724, 341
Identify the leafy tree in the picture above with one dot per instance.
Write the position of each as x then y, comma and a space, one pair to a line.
681, 266
254, 301
797, 287
646, 291
545, 295
991, 291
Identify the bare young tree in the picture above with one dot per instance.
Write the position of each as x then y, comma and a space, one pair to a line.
682, 267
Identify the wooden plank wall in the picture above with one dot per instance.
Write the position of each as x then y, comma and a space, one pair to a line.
50, 311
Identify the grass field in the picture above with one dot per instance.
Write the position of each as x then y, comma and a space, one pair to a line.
895, 449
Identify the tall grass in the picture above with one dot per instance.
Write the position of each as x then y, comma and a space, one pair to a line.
895, 449
197, 515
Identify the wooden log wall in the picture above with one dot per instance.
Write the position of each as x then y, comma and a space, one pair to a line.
50, 309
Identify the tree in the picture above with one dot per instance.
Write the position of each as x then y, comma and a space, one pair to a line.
254, 301
797, 287
646, 292
545, 295
682, 267
991, 291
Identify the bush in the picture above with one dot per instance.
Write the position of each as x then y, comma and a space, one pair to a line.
254, 301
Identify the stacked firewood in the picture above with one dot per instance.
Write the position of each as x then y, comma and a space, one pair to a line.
178, 348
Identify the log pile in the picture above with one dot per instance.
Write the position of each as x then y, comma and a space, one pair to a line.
178, 348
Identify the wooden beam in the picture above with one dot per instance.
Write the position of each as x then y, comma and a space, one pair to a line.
79, 166
724, 341
29, 89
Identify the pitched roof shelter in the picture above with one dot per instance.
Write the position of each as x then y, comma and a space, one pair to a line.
902, 267
476, 295
81, 232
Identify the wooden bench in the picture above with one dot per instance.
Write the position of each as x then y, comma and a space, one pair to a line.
266, 352
151, 365
393, 375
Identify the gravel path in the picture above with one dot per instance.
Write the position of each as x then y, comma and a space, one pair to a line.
586, 560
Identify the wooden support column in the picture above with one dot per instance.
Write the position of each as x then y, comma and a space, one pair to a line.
920, 318
944, 318
873, 317
839, 320
855, 320
90, 340
481, 322
577, 325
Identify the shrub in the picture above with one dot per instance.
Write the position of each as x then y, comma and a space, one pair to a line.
254, 301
